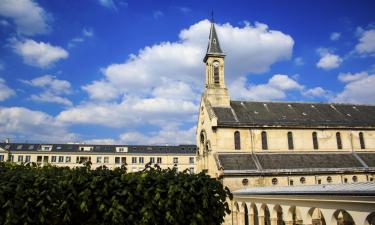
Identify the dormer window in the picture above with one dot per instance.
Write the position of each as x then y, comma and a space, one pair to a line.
46, 148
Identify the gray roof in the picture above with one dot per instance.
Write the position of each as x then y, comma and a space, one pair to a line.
294, 114
213, 48
142, 149
296, 162
357, 189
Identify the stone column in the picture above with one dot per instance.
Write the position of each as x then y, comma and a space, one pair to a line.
274, 221
235, 218
241, 218
261, 220
251, 219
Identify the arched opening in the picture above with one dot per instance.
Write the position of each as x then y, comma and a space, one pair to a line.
362, 140
342, 217
315, 140
290, 141
370, 219
237, 140
316, 217
338, 140
246, 214
294, 216
266, 214
253, 215
202, 137
216, 72
264, 140
278, 213
235, 213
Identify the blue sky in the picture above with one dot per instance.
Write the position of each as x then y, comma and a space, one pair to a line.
117, 71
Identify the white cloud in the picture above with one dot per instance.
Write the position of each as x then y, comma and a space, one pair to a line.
51, 98
5, 91
329, 61
85, 34
348, 77
101, 90
28, 125
276, 88
298, 61
161, 84
112, 4
366, 43
169, 135
52, 88
39, 54
317, 92
28, 16
358, 89
335, 36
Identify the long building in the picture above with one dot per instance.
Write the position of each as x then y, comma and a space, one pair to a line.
135, 157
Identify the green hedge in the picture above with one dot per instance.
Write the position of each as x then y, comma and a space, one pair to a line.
55, 195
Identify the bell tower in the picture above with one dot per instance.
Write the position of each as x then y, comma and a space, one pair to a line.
215, 91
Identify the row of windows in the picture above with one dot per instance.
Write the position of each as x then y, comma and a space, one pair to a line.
82, 159
302, 180
237, 140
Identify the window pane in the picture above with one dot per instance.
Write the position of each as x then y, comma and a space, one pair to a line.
362, 140
237, 140
315, 140
338, 140
290, 140
264, 141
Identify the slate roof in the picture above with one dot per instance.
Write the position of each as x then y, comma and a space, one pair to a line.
296, 162
358, 189
141, 149
295, 114
213, 48
368, 158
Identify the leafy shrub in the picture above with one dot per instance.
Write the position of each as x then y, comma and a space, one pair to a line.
54, 195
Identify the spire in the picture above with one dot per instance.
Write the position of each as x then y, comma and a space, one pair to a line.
213, 48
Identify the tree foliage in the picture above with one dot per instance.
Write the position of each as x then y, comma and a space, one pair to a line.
54, 195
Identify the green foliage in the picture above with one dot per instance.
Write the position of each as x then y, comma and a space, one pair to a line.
53, 195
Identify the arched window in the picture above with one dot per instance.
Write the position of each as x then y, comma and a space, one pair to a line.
329, 179
302, 180
237, 140
216, 72
290, 140
338, 140
274, 181
202, 137
315, 140
264, 140
362, 140
355, 178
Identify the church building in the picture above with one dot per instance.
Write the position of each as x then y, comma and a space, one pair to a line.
273, 146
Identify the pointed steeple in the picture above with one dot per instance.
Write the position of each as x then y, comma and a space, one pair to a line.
213, 48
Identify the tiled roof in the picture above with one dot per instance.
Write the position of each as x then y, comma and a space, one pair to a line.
142, 149
360, 188
296, 162
293, 114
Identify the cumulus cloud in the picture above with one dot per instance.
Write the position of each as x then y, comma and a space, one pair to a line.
162, 83
317, 92
329, 61
28, 125
28, 16
5, 91
112, 4
359, 88
39, 54
276, 88
169, 135
85, 34
52, 89
366, 43
335, 36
